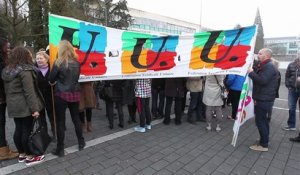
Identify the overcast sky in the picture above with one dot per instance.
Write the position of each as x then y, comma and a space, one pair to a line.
279, 18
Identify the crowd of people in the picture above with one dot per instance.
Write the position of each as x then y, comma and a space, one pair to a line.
29, 89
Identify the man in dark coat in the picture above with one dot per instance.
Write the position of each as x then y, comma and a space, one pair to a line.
291, 76
264, 94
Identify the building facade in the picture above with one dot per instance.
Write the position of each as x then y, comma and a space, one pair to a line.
285, 49
157, 24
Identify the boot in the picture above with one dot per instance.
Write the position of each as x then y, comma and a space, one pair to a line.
84, 129
89, 127
6, 153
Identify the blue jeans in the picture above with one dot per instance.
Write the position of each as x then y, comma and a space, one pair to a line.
261, 110
292, 102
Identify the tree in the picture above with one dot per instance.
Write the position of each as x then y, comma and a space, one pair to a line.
259, 44
13, 17
38, 22
112, 15
71, 8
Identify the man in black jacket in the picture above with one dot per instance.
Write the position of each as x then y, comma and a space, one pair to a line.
291, 76
264, 94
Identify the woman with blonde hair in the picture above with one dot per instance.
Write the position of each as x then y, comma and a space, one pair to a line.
65, 75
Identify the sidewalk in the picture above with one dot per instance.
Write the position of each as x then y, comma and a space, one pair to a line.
184, 149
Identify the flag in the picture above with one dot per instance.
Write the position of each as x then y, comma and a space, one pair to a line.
245, 109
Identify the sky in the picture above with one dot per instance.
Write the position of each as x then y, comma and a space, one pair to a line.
279, 18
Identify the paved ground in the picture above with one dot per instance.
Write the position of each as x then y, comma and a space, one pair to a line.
183, 150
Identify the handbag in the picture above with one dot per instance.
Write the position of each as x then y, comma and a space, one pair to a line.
39, 138
224, 92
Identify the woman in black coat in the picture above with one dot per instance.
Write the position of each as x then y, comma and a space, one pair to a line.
42, 62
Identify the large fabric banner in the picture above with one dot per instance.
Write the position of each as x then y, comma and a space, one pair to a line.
107, 53
245, 109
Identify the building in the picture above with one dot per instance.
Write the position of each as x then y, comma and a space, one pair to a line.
284, 48
157, 24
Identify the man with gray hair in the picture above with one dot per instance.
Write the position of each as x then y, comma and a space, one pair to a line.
264, 94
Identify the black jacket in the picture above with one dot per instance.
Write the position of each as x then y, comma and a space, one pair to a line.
265, 82
66, 78
2, 92
290, 74
45, 88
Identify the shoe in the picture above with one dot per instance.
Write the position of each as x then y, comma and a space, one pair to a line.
295, 139
139, 129
287, 128
177, 122
81, 146
34, 160
201, 120
259, 148
190, 121
218, 129
7, 153
166, 121
121, 125
89, 127
111, 126
208, 127
22, 158
57, 152
148, 127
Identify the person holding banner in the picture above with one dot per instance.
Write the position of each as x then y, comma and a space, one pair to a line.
213, 100
264, 94
65, 74
142, 95
235, 86
174, 90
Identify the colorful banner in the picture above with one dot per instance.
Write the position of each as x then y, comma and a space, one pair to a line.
245, 109
107, 53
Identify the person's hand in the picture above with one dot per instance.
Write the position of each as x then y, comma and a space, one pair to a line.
250, 70
35, 114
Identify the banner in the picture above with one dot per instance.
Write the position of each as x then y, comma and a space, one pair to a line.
107, 53
245, 109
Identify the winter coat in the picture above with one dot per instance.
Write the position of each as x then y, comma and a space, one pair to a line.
128, 90
22, 92
87, 96
45, 88
265, 82
194, 84
292, 72
158, 83
235, 82
175, 87
2, 92
114, 87
212, 91
66, 77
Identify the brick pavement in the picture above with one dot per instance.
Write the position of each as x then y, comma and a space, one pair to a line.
184, 149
